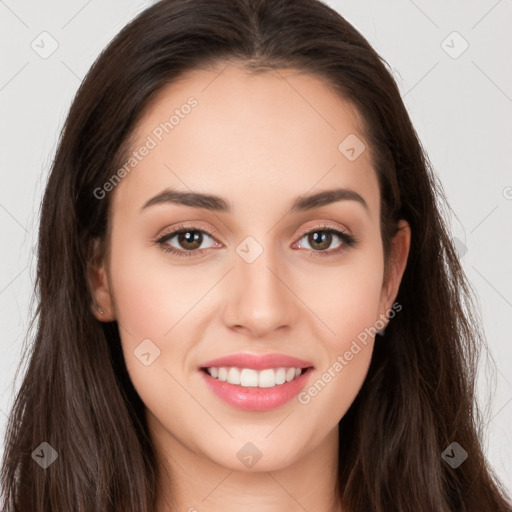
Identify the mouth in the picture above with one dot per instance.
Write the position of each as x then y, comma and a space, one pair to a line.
251, 378
256, 383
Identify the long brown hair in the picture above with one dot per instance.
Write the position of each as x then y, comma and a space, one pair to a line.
76, 395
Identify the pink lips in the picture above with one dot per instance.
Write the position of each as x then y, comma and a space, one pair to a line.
257, 362
256, 398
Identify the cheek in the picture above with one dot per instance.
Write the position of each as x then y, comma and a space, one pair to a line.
153, 307
154, 302
333, 388
151, 295
348, 302
349, 306
346, 297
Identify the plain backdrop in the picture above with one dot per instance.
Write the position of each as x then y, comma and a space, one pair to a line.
452, 63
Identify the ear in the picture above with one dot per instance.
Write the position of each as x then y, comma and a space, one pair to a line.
102, 307
396, 266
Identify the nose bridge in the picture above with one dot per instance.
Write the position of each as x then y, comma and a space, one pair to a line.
259, 299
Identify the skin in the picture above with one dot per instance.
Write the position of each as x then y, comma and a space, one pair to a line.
259, 142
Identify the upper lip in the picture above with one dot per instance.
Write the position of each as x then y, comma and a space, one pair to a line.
257, 361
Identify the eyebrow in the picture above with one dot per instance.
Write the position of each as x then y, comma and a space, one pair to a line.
218, 204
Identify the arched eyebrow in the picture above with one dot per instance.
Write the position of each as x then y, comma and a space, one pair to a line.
218, 204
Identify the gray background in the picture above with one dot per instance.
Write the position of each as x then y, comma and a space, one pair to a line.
459, 101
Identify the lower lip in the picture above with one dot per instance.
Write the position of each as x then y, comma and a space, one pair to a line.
256, 398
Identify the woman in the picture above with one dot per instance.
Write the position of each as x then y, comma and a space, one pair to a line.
248, 296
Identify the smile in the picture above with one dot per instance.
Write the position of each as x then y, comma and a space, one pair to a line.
248, 377
256, 382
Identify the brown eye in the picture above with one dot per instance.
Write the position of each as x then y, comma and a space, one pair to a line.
320, 240
186, 241
190, 240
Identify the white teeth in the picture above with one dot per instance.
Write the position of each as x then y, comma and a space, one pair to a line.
234, 376
267, 378
223, 374
281, 376
290, 374
247, 377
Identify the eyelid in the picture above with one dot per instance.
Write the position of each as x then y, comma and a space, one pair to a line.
193, 225
323, 225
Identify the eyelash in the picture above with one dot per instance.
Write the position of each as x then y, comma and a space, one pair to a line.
349, 241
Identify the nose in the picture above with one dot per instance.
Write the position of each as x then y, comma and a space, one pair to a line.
259, 296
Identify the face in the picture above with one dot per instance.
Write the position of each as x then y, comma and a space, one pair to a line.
293, 288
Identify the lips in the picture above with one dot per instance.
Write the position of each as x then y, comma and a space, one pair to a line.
257, 362
254, 397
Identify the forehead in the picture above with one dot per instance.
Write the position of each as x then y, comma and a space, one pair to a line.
222, 130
